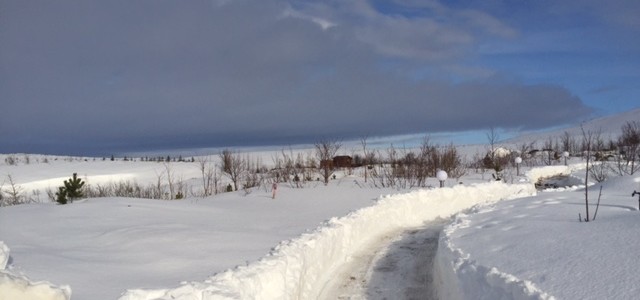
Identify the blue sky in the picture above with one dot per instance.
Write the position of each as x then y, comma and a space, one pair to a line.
99, 77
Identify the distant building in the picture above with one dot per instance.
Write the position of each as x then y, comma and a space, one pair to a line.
342, 161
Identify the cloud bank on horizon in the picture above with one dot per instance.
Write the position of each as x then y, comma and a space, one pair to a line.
100, 77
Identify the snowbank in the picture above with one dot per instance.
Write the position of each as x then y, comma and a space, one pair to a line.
459, 277
536, 174
19, 287
4, 255
300, 268
538, 244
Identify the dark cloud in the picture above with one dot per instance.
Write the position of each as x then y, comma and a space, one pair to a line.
104, 76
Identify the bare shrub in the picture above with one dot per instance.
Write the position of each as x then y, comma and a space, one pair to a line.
326, 149
629, 144
170, 180
451, 162
233, 165
11, 160
209, 173
591, 142
599, 171
13, 193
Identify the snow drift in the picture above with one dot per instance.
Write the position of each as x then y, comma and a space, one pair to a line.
300, 268
20, 287
460, 277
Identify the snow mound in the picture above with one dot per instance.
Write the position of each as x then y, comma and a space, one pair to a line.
536, 174
20, 287
4, 255
501, 152
462, 278
300, 268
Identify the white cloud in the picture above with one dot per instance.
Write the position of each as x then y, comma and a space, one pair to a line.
323, 23
441, 34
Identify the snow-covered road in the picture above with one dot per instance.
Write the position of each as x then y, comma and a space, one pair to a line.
398, 265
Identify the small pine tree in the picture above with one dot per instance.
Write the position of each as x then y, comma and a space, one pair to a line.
73, 187
61, 195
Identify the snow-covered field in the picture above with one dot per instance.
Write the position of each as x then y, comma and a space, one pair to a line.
538, 245
102, 246
506, 242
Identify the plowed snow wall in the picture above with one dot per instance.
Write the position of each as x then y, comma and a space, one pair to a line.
300, 268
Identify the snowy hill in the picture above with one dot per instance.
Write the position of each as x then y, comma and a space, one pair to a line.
609, 126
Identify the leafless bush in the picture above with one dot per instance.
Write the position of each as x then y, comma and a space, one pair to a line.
233, 165
591, 141
210, 179
326, 149
599, 171
13, 193
130, 189
477, 163
170, 180
525, 153
388, 168
569, 143
629, 143
451, 162
252, 178
407, 169
11, 160
159, 187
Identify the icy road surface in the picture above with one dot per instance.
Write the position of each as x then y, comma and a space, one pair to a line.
398, 265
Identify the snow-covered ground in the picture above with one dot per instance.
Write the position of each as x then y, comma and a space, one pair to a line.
100, 247
20, 287
527, 248
539, 247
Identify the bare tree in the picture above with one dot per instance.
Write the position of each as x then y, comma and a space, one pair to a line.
14, 194
568, 142
493, 138
493, 159
159, 189
363, 142
525, 150
233, 165
451, 162
209, 176
288, 165
589, 141
299, 168
170, 180
390, 171
629, 142
252, 178
550, 150
326, 149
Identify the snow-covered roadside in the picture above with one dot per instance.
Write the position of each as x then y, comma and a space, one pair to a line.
300, 268
535, 247
460, 277
20, 287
